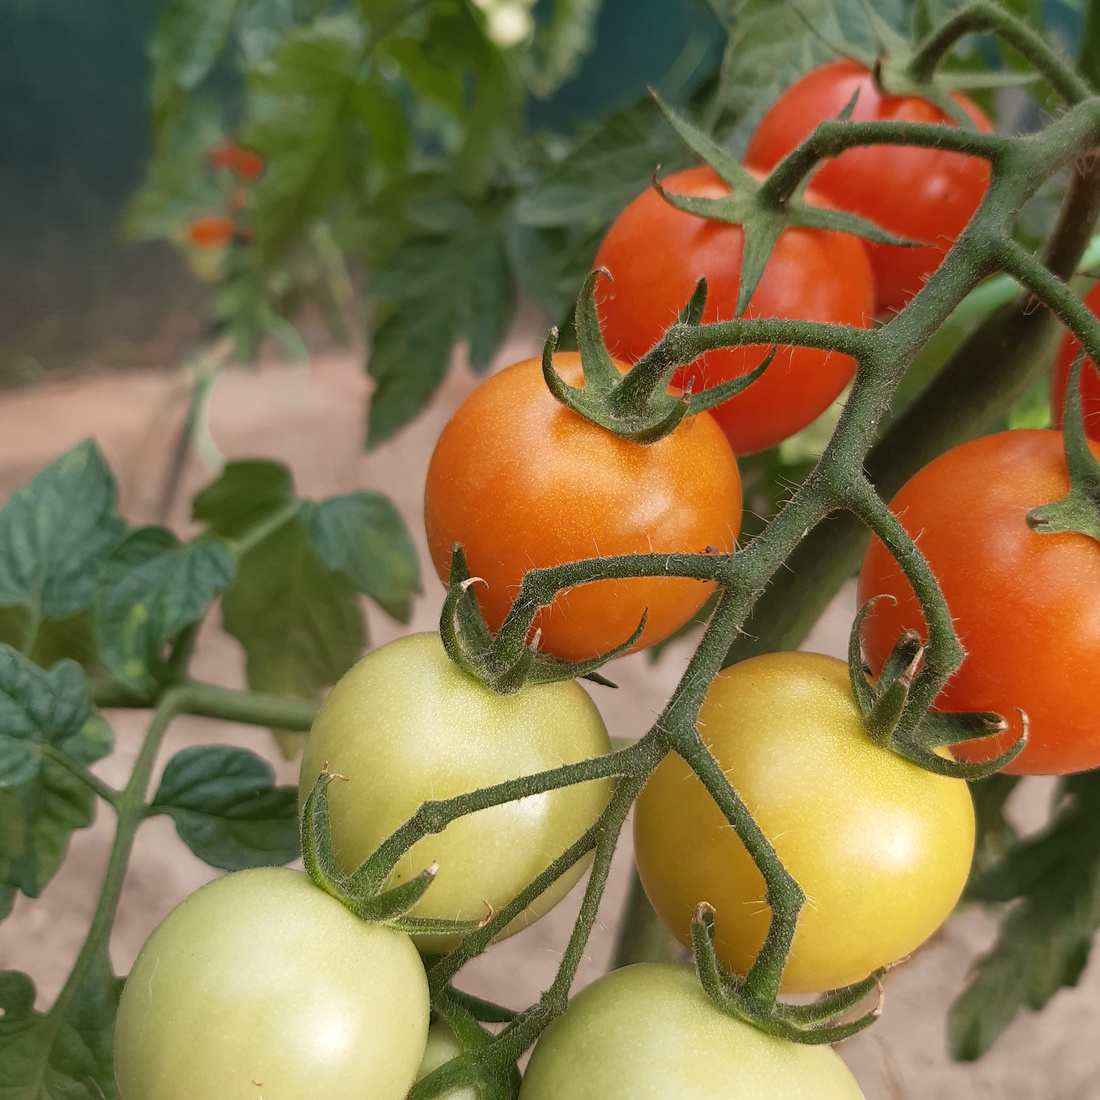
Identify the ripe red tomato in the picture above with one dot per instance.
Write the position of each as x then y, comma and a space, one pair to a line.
210, 231
1026, 605
1090, 380
656, 254
222, 156
523, 483
248, 165
920, 194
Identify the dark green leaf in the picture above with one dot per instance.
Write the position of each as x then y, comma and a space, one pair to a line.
37, 815
56, 533
363, 536
244, 497
65, 1054
152, 587
227, 808
1046, 936
56, 640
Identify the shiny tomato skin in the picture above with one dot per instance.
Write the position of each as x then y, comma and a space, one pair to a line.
524, 483
919, 194
405, 725
260, 984
1090, 379
656, 255
649, 1032
1026, 605
881, 848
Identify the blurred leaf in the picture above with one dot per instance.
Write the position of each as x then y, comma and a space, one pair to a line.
41, 802
57, 639
1046, 937
995, 834
363, 535
64, 1054
152, 587
56, 533
227, 808
436, 289
561, 42
1089, 53
245, 496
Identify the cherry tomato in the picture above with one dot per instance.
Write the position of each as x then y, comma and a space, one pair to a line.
1090, 379
919, 194
656, 254
222, 156
1026, 605
881, 848
443, 1045
649, 1030
210, 231
406, 725
248, 165
259, 984
522, 482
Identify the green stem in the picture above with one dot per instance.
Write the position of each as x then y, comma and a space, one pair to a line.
257, 534
253, 708
103, 790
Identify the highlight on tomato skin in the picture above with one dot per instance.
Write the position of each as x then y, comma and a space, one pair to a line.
656, 255
920, 194
1025, 604
1090, 379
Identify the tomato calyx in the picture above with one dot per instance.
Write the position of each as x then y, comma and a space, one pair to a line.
490, 1079
812, 1023
885, 705
1079, 510
363, 891
507, 662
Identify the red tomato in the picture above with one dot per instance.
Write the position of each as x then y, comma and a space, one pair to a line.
248, 165
222, 156
1026, 605
1090, 380
522, 482
656, 254
210, 231
920, 194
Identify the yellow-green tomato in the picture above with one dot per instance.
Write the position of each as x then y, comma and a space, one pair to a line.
259, 985
442, 1047
649, 1032
406, 725
881, 848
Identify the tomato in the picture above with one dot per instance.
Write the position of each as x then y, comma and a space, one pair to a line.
406, 725
920, 194
259, 984
248, 165
522, 482
881, 848
222, 156
1090, 380
1026, 605
442, 1047
210, 231
649, 1032
656, 254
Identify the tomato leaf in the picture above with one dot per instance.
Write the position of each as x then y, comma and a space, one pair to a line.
1046, 936
152, 587
227, 809
56, 533
41, 802
247, 495
363, 536
66, 1053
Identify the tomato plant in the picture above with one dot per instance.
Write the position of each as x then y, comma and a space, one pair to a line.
210, 231
650, 1030
522, 482
259, 984
1025, 604
405, 725
656, 254
882, 847
921, 194
1090, 380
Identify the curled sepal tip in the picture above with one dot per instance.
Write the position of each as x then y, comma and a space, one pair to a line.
920, 754
316, 836
1079, 510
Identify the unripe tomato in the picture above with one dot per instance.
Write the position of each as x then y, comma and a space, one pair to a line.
1026, 605
442, 1047
210, 231
1090, 379
406, 725
919, 194
881, 848
649, 1032
523, 483
656, 254
259, 984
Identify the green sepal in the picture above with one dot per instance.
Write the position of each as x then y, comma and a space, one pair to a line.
397, 901
941, 727
1079, 510
317, 852
958, 769
416, 926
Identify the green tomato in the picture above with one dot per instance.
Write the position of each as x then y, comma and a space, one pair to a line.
442, 1046
406, 725
259, 986
649, 1032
